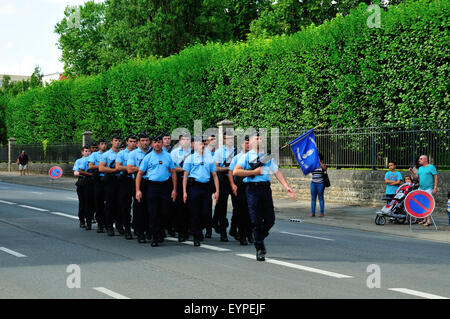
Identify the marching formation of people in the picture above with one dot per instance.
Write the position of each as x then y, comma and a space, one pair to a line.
149, 188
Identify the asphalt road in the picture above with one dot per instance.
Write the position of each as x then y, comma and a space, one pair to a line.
41, 245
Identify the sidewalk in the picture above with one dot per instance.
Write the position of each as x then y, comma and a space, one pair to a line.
336, 215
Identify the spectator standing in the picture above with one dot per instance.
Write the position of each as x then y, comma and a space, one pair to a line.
22, 160
428, 180
318, 188
393, 179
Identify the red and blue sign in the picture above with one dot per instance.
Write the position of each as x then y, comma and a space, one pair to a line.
419, 204
55, 172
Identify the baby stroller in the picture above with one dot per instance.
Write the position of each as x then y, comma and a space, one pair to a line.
395, 208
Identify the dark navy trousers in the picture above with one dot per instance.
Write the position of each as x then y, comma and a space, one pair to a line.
261, 211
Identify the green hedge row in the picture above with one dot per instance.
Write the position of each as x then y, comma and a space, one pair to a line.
341, 73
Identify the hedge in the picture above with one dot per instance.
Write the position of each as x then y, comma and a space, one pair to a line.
341, 73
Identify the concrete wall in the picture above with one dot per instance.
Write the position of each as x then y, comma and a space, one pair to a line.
353, 187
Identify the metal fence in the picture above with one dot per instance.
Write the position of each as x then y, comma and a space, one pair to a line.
60, 153
370, 147
374, 147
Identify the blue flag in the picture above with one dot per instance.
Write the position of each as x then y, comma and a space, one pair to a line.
305, 150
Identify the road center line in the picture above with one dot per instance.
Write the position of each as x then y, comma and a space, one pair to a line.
6, 202
64, 215
12, 252
299, 267
301, 235
35, 208
110, 293
201, 246
417, 293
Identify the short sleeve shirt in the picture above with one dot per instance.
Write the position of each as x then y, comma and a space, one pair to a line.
135, 158
122, 158
199, 167
267, 168
109, 158
156, 166
223, 155
396, 176
426, 177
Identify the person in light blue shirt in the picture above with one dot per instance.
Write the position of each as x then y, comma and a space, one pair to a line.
99, 186
198, 169
126, 184
83, 214
223, 157
428, 180
107, 166
179, 155
239, 198
255, 170
157, 171
393, 179
140, 220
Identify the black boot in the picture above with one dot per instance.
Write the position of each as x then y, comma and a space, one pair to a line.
82, 224
196, 241
88, 225
260, 255
110, 231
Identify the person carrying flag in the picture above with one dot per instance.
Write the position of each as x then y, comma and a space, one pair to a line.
258, 191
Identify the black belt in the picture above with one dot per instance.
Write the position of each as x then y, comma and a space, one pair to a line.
258, 184
192, 181
157, 182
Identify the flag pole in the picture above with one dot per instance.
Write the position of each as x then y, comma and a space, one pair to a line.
286, 145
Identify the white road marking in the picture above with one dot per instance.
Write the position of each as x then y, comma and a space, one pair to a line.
110, 293
301, 235
64, 215
12, 252
6, 202
201, 245
417, 293
38, 193
71, 198
299, 267
35, 208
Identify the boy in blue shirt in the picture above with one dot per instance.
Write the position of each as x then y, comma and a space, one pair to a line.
393, 179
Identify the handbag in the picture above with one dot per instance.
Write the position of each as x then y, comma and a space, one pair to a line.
326, 179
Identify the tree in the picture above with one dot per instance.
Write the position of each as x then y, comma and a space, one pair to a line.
81, 39
36, 78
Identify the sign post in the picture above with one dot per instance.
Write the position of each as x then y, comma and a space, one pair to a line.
419, 204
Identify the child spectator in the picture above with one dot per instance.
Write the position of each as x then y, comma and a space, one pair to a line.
393, 179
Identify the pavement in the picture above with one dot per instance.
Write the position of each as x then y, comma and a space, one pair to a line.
336, 215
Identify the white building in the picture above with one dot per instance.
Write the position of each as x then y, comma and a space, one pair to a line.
46, 79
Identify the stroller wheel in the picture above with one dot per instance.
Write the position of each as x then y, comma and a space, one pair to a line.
380, 220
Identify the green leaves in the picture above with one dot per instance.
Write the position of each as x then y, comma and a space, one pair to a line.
341, 73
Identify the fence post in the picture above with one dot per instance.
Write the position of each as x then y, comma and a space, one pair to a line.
223, 125
373, 149
87, 138
11, 142
337, 148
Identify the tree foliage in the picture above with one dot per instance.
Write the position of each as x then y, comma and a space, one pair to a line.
341, 73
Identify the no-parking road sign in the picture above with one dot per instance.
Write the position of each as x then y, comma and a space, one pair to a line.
55, 172
419, 204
